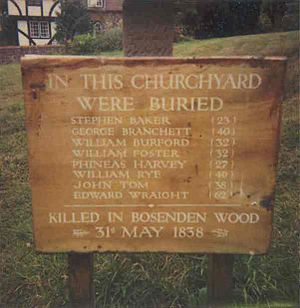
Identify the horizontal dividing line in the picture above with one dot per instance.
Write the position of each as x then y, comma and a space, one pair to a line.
147, 205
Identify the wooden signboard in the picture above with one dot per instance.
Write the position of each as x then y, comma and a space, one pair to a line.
152, 154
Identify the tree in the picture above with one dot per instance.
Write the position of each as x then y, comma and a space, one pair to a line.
244, 16
216, 18
73, 19
8, 33
275, 10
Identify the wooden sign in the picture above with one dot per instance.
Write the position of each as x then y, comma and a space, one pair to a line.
152, 154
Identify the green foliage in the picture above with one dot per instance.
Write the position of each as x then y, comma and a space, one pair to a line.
219, 18
233, 17
8, 35
82, 44
110, 40
73, 19
180, 37
274, 10
265, 23
106, 41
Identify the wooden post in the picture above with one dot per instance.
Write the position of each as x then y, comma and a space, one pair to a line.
149, 31
148, 28
219, 280
81, 280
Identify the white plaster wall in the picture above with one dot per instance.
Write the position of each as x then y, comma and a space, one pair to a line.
22, 25
41, 41
12, 10
47, 7
53, 28
34, 11
92, 3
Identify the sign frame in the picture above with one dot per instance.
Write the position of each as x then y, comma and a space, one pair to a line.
34, 91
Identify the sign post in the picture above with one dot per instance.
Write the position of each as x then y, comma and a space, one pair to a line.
149, 31
143, 154
219, 279
148, 28
81, 286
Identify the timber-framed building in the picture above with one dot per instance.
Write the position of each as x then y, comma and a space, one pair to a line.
35, 20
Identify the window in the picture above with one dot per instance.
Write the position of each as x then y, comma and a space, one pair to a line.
100, 3
97, 28
96, 3
44, 29
34, 29
34, 2
39, 29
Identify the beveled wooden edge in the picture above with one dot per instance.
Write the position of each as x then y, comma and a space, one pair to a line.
41, 61
220, 251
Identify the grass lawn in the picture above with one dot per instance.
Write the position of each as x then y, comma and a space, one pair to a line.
30, 279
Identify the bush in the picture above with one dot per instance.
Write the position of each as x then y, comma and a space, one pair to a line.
265, 23
87, 44
206, 19
110, 40
82, 44
74, 19
181, 36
